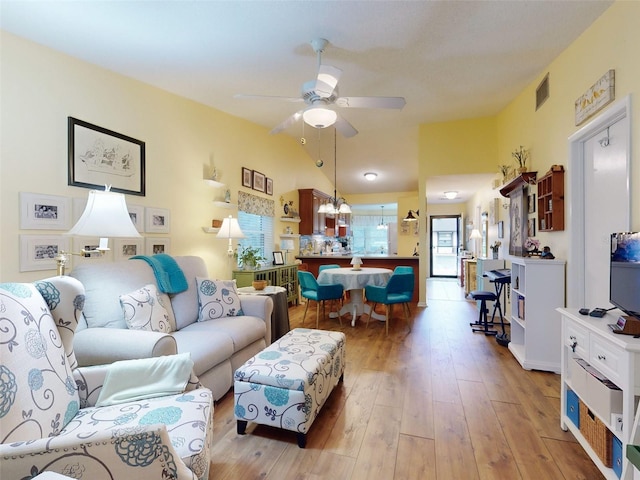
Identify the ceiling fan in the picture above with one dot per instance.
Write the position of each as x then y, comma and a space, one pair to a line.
321, 97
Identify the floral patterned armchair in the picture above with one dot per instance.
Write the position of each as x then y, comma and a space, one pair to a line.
49, 420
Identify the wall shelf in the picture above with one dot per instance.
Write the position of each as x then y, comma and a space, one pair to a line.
290, 235
220, 204
526, 178
551, 200
290, 219
210, 230
214, 183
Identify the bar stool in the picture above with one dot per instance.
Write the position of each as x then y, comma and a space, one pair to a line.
483, 322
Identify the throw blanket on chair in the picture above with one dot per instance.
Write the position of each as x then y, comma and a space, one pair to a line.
169, 275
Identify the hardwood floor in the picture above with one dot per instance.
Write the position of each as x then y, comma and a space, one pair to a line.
438, 403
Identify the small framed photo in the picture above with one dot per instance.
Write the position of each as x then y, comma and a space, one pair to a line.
531, 227
136, 212
88, 244
278, 259
125, 248
258, 181
44, 212
247, 178
157, 220
157, 245
501, 229
532, 203
39, 252
269, 186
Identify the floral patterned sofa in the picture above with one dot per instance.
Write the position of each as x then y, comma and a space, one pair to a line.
49, 418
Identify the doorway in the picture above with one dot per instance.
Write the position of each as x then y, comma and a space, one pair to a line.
443, 247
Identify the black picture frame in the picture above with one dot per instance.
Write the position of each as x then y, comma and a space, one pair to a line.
247, 177
501, 229
98, 157
268, 186
278, 258
258, 181
532, 203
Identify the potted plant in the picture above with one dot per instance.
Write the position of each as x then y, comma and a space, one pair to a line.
521, 156
504, 170
248, 257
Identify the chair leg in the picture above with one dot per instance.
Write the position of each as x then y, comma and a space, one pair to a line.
306, 305
386, 322
407, 311
338, 309
369, 316
318, 314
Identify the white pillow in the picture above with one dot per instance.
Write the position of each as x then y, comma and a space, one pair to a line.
144, 310
217, 298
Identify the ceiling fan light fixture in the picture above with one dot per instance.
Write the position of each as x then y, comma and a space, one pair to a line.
451, 195
319, 117
371, 176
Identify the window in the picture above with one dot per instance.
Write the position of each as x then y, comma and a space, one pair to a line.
367, 238
258, 230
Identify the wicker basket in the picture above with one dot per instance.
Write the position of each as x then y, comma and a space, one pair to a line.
597, 434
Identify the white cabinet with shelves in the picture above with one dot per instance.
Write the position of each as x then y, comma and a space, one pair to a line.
537, 289
615, 356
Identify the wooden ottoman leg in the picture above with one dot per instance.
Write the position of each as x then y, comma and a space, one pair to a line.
242, 427
302, 440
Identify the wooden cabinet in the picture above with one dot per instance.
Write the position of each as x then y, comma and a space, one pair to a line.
551, 200
283, 276
314, 223
470, 269
617, 357
537, 289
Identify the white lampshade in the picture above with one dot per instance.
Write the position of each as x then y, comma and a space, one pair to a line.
344, 208
475, 233
287, 244
356, 262
319, 117
230, 229
106, 215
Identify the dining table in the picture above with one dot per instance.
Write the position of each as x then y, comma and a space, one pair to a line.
354, 280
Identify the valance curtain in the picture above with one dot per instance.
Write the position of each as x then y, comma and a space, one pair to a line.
256, 205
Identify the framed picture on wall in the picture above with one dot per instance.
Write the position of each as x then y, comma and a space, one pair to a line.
153, 246
157, 220
269, 186
39, 252
517, 223
47, 212
501, 229
258, 181
247, 178
99, 157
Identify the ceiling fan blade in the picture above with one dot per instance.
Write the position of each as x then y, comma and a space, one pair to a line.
371, 102
287, 123
268, 97
327, 80
345, 128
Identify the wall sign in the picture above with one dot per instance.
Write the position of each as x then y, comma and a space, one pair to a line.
596, 98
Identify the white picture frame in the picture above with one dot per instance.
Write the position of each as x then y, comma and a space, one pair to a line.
44, 212
125, 248
39, 252
157, 220
154, 245
136, 213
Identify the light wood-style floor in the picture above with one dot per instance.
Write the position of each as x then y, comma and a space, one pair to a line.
437, 403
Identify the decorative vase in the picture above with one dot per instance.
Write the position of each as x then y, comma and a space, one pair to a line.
495, 254
522, 170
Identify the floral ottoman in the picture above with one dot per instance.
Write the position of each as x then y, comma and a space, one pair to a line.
287, 383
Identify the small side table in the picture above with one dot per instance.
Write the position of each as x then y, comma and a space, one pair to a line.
280, 316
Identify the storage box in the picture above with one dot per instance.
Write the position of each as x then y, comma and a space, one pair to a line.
573, 407
593, 388
616, 452
597, 434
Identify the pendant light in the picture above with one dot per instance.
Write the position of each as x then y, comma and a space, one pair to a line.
381, 225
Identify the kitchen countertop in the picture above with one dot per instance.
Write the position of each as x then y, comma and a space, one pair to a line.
364, 257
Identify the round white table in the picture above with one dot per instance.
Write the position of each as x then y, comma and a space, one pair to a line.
355, 281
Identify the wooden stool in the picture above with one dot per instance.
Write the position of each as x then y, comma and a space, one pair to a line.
483, 322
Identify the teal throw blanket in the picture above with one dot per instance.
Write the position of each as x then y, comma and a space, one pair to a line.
169, 275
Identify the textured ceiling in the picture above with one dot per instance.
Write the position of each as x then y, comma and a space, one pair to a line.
450, 60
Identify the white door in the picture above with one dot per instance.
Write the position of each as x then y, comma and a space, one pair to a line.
606, 201
599, 202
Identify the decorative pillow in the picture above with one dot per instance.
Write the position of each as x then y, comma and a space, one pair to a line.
144, 310
217, 298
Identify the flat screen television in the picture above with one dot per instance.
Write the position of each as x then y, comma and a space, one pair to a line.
624, 283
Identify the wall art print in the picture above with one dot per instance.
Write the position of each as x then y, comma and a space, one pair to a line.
39, 252
517, 223
99, 157
46, 212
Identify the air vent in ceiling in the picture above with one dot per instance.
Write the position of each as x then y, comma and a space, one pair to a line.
542, 92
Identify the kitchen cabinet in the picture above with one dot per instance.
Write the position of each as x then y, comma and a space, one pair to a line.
314, 223
282, 276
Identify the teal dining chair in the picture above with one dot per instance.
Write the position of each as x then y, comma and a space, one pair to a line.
399, 289
326, 267
403, 269
319, 293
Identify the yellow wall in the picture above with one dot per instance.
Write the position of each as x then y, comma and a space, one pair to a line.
41, 88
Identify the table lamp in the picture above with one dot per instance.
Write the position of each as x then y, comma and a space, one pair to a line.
475, 236
356, 262
230, 229
105, 215
286, 245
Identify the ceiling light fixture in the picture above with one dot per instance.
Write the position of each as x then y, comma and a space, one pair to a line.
335, 205
319, 117
450, 195
381, 225
371, 176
